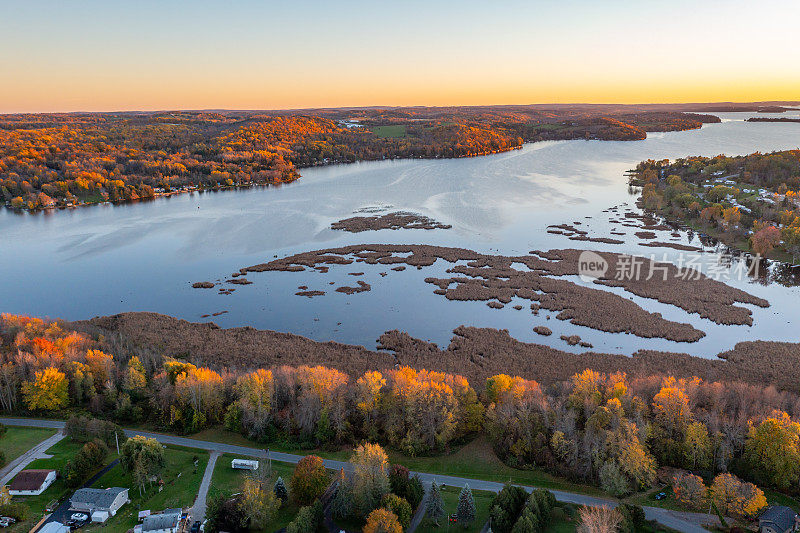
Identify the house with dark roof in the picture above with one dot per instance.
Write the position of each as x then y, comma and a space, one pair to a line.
31, 482
168, 521
778, 519
100, 504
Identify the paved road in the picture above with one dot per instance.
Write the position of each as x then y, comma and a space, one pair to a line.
198, 511
13, 468
684, 522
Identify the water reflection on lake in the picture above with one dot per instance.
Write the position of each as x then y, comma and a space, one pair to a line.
108, 259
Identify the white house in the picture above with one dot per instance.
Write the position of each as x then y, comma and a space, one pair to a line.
31, 482
100, 504
244, 464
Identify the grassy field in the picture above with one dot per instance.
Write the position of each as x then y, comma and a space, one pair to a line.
483, 502
18, 440
181, 483
475, 459
395, 131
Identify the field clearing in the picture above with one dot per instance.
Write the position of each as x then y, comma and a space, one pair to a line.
397, 131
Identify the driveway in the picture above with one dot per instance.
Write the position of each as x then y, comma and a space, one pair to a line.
684, 522
198, 511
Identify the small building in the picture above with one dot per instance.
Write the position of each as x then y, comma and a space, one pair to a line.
244, 464
54, 527
100, 504
31, 482
168, 521
778, 519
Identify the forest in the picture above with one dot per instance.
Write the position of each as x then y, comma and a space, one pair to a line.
749, 202
608, 429
66, 160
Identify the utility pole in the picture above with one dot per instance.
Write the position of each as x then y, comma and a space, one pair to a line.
116, 438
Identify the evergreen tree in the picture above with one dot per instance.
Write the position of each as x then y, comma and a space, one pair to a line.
435, 506
342, 502
280, 490
465, 512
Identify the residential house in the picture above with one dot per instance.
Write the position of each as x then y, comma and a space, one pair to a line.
100, 504
778, 519
54, 527
31, 482
168, 521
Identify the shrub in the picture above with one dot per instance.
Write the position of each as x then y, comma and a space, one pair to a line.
308, 519
16, 510
399, 506
633, 518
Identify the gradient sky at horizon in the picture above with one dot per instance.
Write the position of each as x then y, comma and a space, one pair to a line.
93, 55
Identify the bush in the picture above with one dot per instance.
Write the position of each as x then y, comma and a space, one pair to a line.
633, 518
613, 481
308, 519
404, 486
399, 506
16, 510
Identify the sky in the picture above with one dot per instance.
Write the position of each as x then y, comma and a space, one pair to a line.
159, 55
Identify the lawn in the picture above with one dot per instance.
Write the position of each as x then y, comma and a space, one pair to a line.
394, 131
181, 483
475, 459
227, 480
483, 502
18, 440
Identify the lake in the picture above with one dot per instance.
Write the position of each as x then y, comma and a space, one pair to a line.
106, 259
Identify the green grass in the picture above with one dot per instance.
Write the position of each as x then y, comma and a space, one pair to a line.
648, 498
227, 479
563, 519
18, 440
181, 483
483, 502
774, 497
393, 131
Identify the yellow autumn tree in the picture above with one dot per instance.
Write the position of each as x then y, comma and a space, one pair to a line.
382, 521
49, 390
734, 496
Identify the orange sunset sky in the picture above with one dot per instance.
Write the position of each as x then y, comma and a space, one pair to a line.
146, 55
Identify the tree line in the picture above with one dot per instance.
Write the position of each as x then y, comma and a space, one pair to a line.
607, 429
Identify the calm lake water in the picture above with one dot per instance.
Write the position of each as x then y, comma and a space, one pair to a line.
107, 259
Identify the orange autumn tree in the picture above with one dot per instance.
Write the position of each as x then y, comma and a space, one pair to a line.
200, 395
48, 392
764, 238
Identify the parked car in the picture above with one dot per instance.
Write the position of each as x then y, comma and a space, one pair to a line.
661, 495
6, 521
79, 516
195, 527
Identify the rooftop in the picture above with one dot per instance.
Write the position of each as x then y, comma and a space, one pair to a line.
29, 479
102, 498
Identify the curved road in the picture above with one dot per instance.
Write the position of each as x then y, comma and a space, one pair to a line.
671, 519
